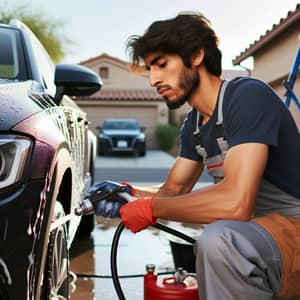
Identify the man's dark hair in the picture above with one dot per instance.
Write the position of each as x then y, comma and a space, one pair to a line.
183, 35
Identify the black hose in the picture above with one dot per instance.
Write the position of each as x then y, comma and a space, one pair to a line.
113, 261
175, 232
114, 248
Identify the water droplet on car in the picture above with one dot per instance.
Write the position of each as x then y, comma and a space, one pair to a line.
29, 230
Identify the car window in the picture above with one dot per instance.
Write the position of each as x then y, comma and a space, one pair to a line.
45, 63
120, 125
12, 64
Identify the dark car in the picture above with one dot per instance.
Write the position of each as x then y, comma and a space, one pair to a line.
121, 135
46, 164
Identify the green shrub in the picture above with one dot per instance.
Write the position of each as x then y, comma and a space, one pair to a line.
166, 135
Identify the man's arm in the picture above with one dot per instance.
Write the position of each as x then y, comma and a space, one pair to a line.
232, 198
181, 179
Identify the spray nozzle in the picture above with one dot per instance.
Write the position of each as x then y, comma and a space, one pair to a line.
87, 206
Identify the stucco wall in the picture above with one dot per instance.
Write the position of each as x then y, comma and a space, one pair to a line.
273, 63
275, 60
293, 108
119, 75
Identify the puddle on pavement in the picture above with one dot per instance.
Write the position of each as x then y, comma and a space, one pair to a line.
92, 256
82, 261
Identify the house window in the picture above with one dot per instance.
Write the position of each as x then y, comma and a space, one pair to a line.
103, 72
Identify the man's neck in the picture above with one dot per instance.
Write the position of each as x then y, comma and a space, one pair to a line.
204, 98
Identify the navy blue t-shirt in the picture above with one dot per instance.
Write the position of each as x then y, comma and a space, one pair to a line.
252, 113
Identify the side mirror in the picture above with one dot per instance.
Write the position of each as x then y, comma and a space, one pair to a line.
75, 80
98, 127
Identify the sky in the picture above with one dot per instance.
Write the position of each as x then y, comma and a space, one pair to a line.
103, 26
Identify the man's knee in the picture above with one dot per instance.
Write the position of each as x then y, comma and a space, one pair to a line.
212, 241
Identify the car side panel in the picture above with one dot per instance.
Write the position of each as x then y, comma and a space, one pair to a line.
59, 146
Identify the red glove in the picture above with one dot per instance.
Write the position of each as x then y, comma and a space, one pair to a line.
137, 215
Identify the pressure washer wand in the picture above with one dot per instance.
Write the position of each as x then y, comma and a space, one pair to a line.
88, 205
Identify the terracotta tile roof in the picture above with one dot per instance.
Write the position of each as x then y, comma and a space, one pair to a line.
125, 94
284, 23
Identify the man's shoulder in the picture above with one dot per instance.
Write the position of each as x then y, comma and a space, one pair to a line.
250, 92
246, 83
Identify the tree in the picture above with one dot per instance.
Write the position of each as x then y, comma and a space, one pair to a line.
47, 30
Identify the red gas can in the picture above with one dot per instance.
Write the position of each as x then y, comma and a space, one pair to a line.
167, 288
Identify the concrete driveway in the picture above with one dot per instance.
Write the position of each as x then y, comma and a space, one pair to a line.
152, 168
153, 159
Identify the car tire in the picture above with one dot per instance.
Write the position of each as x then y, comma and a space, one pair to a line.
86, 226
87, 223
92, 166
56, 282
100, 151
142, 153
3, 292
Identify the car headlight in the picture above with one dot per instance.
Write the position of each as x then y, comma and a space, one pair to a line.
141, 136
13, 156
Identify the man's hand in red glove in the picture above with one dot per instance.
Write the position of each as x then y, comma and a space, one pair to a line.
137, 215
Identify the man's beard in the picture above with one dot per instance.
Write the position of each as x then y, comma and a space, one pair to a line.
188, 81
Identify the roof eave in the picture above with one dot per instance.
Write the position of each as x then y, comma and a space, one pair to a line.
269, 36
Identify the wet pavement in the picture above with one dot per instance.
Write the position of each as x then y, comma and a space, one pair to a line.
135, 251
90, 258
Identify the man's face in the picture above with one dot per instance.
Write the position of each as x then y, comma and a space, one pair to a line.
173, 80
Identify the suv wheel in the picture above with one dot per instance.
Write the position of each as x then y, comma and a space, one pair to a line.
86, 226
56, 275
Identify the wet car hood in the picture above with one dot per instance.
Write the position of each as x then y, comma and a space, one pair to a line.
16, 100
118, 132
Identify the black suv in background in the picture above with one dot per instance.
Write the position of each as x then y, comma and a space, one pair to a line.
121, 135
46, 164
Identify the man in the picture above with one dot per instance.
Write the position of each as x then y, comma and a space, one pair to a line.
246, 138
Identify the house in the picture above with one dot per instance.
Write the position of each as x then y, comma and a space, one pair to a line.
124, 94
273, 55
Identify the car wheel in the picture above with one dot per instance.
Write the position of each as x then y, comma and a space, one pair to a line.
142, 153
56, 275
87, 222
92, 166
86, 226
3, 293
100, 152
